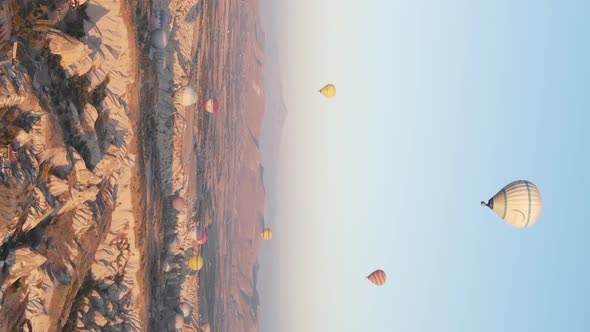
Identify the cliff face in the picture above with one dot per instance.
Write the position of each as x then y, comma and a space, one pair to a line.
90, 237
65, 195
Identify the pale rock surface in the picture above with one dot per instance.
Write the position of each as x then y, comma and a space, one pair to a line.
72, 51
89, 210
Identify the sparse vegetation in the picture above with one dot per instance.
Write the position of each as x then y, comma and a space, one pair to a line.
53, 61
31, 25
77, 87
85, 289
26, 120
5, 48
73, 23
51, 4
74, 90
99, 93
32, 28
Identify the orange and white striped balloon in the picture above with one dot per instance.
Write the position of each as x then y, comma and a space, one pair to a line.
378, 277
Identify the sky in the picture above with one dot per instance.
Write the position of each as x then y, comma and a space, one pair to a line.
439, 104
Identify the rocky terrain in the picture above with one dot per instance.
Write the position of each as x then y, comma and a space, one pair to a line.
90, 237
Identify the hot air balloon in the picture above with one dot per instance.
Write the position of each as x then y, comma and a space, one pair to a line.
186, 96
201, 236
178, 203
329, 90
163, 18
210, 105
266, 234
518, 203
167, 266
159, 38
178, 322
377, 277
195, 262
77, 3
185, 309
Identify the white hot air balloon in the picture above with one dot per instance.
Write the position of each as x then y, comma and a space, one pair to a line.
518, 203
186, 96
179, 322
185, 309
159, 39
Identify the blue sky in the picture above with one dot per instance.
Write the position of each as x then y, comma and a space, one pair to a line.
439, 104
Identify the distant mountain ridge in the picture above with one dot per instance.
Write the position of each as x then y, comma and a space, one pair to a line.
275, 115
273, 122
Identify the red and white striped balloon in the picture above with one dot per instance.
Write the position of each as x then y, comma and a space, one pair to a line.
378, 277
201, 236
210, 105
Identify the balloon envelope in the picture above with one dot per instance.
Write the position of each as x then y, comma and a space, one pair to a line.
329, 90
167, 266
266, 234
210, 105
163, 18
159, 39
378, 277
195, 262
201, 236
178, 203
178, 322
186, 96
185, 308
519, 203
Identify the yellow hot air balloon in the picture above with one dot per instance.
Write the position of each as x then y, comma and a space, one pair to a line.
266, 234
195, 262
518, 203
329, 90
378, 277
